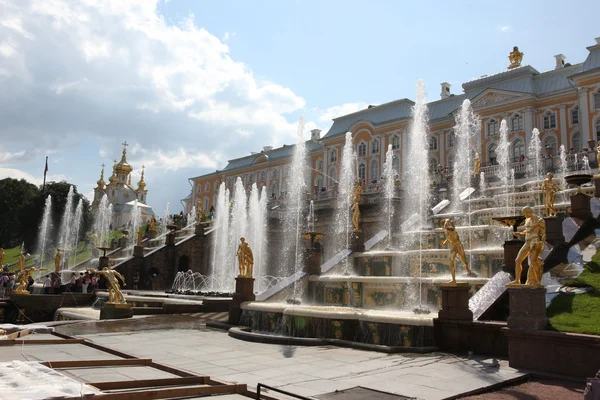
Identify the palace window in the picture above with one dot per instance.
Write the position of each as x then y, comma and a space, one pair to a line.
207, 187
433, 145
375, 146
274, 173
362, 149
320, 164
374, 170
492, 128
518, 150
333, 155
575, 115
549, 120
576, 142
250, 179
217, 183
262, 176
451, 137
517, 123
451, 161
550, 142
433, 163
395, 142
274, 191
332, 176
491, 153
597, 100
229, 183
319, 182
396, 164
206, 203
362, 171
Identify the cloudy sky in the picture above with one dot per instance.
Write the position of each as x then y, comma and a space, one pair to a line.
193, 83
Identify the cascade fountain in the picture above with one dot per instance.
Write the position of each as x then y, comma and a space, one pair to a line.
343, 224
535, 157
257, 226
167, 220
135, 221
389, 189
45, 227
103, 221
222, 262
467, 126
77, 219
69, 227
503, 159
239, 217
482, 185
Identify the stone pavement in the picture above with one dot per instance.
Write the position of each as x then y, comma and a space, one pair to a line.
308, 371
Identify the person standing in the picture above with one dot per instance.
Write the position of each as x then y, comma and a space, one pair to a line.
47, 284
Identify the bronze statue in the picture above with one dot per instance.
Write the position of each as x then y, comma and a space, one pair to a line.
115, 296
140, 234
456, 248
57, 261
201, 215
355, 206
153, 223
95, 240
245, 259
515, 58
23, 279
476, 165
21, 261
535, 239
549, 190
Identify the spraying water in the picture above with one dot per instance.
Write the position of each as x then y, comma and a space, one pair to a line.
504, 161
103, 221
343, 224
223, 254
166, 220
135, 221
535, 156
467, 125
78, 216
45, 226
66, 228
585, 165
482, 184
239, 218
311, 217
563, 168
257, 207
388, 174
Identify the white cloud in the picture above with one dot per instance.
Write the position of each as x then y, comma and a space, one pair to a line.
173, 160
18, 174
337, 111
6, 157
504, 28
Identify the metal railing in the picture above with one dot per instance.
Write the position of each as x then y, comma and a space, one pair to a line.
285, 392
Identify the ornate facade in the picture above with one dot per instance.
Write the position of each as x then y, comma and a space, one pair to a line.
120, 192
564, 104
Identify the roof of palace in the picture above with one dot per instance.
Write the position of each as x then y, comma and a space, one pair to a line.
271, 155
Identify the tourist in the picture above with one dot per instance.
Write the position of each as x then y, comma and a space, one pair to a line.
136, 280
47, 284
56, 284
72, 282
10, 284
30, 283
85, 282
154, 282
3, 281
94, 283
80, 283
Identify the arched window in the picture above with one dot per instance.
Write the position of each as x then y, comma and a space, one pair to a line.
491, 153
492, 127
250, 179
576, 142
262, 176
374, 171
598, 130
333, 155
207, 187
549, 120
396, 164
451, 161
214, 199
433, 163
433, 145
286, 171
575, 115
517, 123
206, 202
375, 146
274, 191
216, 185
320, 164
450, 138
362, 149
199, 188
550, 142
362, 171
396, 142
332, 176
597, 100
517, 150
319, 182
274, 173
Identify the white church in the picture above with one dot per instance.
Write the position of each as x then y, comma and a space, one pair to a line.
121, 194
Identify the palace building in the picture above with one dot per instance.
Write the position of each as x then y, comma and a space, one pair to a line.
121, 194
564, 104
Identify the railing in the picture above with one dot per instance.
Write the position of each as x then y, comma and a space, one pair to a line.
285, 392
548, 164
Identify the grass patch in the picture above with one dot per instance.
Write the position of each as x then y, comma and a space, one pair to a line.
579, 313
12, 256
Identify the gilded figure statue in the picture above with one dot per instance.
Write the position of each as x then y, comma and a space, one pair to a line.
95, 240
355, 206
2, 257
140, 234
549, 189
245, 259
515, 57
201, 215
115, 296
476, 165
153, 223
535, 239
57, 261
21, 261
23, 279
456, 248
598, 157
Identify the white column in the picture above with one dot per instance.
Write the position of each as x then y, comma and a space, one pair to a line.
584, 130
528, 125
563, 125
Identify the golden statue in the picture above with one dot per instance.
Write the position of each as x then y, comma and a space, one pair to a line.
153, 223
115, 296
549, 189
598, 157
535, 239
245, 259
201, 215
95, 240
57, 261
456, 248
515, 57
2, 256
140, 234
476, 165
21, 261
355, 206
23, 279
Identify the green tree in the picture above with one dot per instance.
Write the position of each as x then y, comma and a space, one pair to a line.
16, 197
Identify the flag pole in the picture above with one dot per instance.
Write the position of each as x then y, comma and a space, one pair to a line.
45, 171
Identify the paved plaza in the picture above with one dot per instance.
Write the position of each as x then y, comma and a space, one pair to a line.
309, 371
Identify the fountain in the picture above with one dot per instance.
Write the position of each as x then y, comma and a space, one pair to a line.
343, 224
257, 217
68, 237
102, 222
503, 159
389, 191
222, 263
45, 228
535, 157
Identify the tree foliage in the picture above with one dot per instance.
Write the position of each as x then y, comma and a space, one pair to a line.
22, 208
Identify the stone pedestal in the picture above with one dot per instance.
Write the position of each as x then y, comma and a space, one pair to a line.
312, 260
152, 234
170, 240
199, 229
527, 307
138, 251
455, 302
102, 262
580, 206
244, 291
554, 232
116, 311
511, 249
357, 241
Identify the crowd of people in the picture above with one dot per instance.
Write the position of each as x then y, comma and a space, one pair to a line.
85, 282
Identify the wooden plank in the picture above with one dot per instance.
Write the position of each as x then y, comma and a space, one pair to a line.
97, 363
18, 334
108, 350
169, 393
172, 370
150, 383
40, 341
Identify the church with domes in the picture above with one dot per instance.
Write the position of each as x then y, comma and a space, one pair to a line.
121, 194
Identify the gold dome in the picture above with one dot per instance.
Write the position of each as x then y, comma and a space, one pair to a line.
113, 177
123, 167
141, 183
101, 182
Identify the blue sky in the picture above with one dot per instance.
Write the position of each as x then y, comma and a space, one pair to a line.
190, 84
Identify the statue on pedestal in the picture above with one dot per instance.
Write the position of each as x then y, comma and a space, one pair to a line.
153, 223
456, 248
515, 58
140, 234
23, 279
201, 215
549, 189
245, 259
21, 261
535, 239
115, 296
57, 261
355, 206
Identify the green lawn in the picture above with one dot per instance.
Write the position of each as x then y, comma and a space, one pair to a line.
12, 256
579, 313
